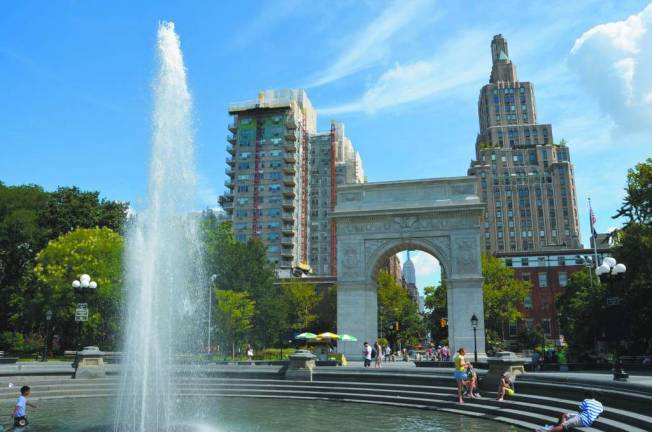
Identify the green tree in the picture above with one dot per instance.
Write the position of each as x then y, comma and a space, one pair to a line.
68, 208
21, 237
436, 303
234, 313
302, 299
502, 294
634, 248
396, 308
583, 312
97, 252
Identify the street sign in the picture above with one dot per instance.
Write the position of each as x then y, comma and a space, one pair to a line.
81, 313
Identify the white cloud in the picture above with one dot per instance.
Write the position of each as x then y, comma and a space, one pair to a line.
456, 65
614, 64
270, 15
369, 45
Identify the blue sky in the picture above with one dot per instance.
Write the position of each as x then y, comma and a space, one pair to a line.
404, 76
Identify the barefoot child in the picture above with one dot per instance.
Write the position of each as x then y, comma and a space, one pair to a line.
20, 411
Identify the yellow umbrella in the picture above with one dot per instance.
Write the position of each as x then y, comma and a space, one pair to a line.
327, 335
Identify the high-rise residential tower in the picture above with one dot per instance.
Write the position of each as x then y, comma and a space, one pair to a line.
267, 190
283, 177
332, 161
524, 176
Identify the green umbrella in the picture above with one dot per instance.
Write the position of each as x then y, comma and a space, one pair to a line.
348, 338
306, 336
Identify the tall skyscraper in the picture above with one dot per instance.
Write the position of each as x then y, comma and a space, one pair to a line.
410, 278
524, 176
282, 177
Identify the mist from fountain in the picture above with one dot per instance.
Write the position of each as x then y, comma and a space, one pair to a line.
166, 292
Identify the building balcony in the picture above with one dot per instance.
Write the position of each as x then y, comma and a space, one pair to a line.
289, 170
291, 123
289, 158
289, 181
230, 149
290, 147
233, 126
287, 243
287, 230
232, 139
229, 183
230, 172
287, 253
287, 217
290, 136
230, 162
289, 192
288, 204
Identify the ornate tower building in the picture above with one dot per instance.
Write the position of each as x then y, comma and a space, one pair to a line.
524, 176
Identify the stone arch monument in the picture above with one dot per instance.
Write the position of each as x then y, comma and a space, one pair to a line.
375, 220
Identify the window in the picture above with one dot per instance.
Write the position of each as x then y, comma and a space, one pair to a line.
563, 279
545, 326
525, 262
528, 301
508, 262
513, 328
274, 212
543, 280
525, 277
561, 260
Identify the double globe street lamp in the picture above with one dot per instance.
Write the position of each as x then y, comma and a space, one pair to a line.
48, 318
83, 284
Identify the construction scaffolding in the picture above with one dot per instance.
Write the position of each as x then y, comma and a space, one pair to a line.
333, 201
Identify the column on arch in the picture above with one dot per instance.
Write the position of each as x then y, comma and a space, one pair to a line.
464, 300
357, 315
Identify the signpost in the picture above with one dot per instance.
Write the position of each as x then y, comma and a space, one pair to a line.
81, 313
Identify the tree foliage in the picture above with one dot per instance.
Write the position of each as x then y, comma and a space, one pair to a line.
502, 294
436, 303
301, 299
29, 218
395, 307
234, 312
95, 251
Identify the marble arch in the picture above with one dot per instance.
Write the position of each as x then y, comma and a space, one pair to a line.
438, 216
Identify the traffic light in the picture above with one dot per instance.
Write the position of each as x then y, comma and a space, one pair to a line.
443, 322
396, 326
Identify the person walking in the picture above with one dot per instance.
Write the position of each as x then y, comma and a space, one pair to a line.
388, 353
250, 354
366, 354
379, 355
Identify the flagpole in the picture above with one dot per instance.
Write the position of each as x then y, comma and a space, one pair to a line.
595, 239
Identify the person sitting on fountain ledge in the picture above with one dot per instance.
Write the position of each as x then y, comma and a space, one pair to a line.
590, 410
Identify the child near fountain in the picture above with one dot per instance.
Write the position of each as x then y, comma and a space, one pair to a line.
20, 411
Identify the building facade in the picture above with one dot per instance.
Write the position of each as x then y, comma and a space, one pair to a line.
524, 176
281, 178
548, 272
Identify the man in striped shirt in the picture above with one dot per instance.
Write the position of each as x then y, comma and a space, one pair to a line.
590, 409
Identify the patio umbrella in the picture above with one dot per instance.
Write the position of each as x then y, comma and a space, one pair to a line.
306, 336
328, 335
348, 338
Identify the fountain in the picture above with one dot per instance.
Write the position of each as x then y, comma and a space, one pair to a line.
164, 277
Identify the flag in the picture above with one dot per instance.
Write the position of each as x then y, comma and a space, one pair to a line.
593, 220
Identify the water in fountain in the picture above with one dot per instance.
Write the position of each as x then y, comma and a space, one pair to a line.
165, 284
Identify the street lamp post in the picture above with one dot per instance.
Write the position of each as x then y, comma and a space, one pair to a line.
210, 308
474, 324
48, 318
611, 267
81, 313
